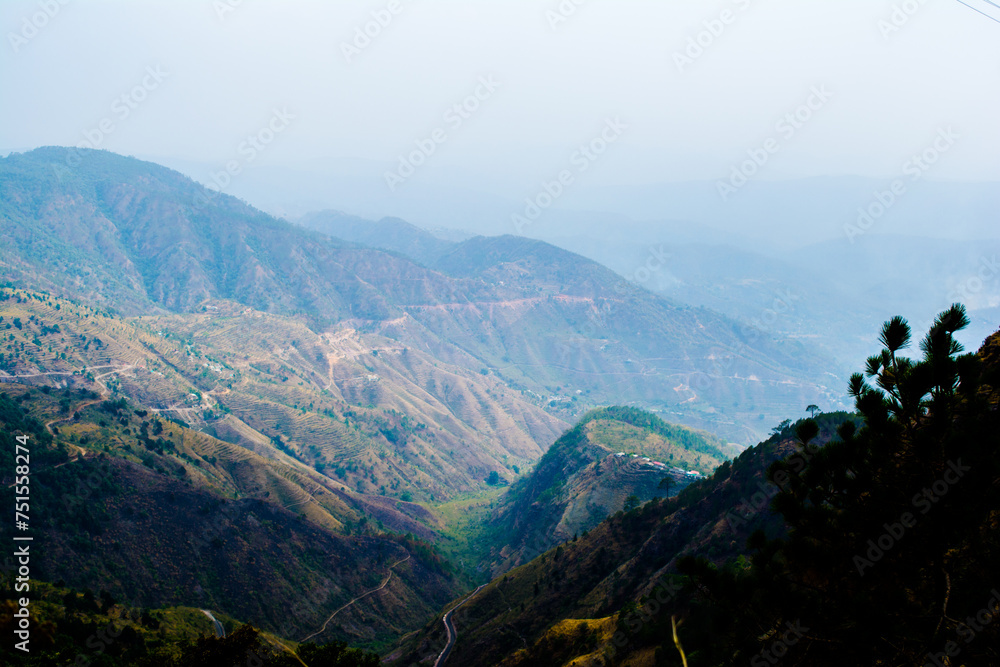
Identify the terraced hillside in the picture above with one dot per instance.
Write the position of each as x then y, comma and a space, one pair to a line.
567, 332
346, 398
613, 459
356, 410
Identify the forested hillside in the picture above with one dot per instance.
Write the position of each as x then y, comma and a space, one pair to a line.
844, 539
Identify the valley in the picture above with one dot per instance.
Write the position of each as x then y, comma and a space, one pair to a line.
499, 334
486, 451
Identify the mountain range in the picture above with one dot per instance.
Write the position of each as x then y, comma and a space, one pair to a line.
333, 430
565, 331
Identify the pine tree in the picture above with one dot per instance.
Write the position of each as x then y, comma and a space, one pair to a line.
893, 530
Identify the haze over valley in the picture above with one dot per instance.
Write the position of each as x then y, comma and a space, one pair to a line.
499, 334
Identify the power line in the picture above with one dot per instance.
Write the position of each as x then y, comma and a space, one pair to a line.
987, 8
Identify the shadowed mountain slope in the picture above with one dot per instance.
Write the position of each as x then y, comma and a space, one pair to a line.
611, 457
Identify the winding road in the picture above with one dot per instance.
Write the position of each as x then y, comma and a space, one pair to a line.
220, 631
364, 595
449, 625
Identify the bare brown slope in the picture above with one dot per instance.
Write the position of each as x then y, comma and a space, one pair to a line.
373, 416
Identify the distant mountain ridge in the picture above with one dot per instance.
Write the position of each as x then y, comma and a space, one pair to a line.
140, 238
390, 234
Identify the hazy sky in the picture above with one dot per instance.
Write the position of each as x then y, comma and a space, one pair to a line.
225, 67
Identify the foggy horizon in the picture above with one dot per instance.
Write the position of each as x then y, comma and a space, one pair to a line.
500, 333
775, 93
